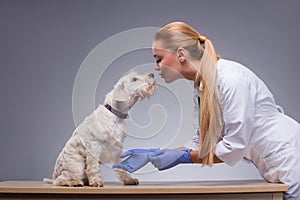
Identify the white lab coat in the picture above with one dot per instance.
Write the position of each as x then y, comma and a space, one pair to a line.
255, 128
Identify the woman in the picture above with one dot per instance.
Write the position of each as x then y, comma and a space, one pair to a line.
238, 116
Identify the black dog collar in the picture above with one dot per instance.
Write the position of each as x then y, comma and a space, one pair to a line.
116, 112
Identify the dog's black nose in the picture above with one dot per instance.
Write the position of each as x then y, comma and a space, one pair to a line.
151, 75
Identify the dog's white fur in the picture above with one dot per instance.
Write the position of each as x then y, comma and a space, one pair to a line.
99, 138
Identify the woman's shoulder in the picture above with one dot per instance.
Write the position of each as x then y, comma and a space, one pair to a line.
231, 67
233, 75
232, 70
229, 70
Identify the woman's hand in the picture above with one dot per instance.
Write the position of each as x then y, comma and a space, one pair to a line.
168, 158
137, 158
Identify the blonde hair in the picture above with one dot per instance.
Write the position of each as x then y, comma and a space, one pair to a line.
179, 34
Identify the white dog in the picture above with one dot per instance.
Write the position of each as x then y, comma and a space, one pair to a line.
99, 138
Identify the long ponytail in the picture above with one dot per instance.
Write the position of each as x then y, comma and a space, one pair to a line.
210, 107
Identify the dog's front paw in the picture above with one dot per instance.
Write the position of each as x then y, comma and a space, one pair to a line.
61, 181
131, 181
97, 182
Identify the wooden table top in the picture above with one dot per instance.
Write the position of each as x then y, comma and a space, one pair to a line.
161, 187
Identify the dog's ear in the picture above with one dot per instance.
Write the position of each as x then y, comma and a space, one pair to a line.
120, 94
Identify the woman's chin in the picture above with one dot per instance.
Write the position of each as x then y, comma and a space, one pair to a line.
168, 80
172, 77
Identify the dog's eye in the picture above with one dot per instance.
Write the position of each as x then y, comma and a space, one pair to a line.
134, 79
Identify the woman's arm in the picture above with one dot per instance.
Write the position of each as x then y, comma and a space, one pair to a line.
196, 159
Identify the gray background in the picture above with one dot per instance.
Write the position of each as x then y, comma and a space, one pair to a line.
43, 44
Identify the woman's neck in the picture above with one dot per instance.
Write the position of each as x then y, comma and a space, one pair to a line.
190, 69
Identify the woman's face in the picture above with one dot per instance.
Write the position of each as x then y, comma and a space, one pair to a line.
167, 63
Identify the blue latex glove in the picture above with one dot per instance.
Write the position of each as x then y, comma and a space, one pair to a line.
137, 158
167, 158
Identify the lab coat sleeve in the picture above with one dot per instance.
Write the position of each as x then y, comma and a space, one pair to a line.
196, 137
195, 140
237, 98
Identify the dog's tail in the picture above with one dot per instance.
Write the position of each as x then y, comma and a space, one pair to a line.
47, 180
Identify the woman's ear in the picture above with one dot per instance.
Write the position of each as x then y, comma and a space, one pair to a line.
181, 54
